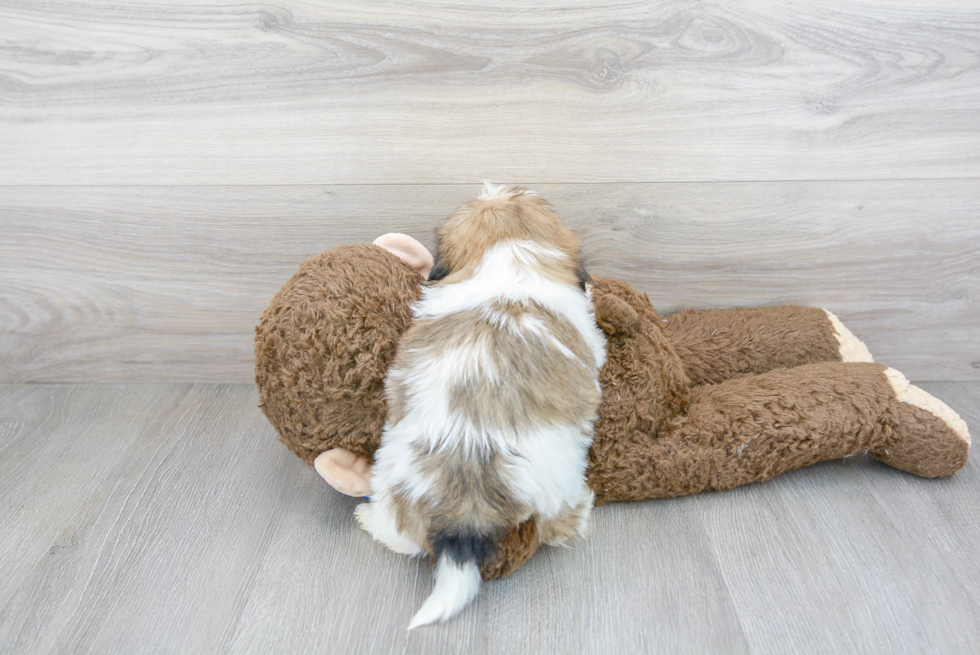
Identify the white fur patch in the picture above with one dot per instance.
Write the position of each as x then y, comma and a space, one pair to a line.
493, 191
548, 471
378, 519
429, 418
584, 521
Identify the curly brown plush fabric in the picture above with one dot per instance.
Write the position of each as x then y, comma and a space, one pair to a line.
745, 430
660, 434
514, 549
914, 441
323, 346
701, 400
719, 345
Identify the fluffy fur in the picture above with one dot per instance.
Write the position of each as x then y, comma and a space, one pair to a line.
492, 397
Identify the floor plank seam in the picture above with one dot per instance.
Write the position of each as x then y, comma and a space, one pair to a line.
721, 572
869, 180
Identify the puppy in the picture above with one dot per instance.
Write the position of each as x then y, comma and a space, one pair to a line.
492, 397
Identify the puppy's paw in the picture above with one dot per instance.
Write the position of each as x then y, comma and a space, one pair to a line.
363, 513
570, 524
381, 526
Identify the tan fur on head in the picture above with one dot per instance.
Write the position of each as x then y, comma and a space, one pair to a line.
514, 214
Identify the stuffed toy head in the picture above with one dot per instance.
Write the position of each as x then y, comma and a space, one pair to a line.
322, 350
323, 346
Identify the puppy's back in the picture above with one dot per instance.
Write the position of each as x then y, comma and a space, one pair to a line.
493, 394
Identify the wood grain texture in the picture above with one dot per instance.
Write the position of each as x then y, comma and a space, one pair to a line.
55, 451
167, 283
157, 554
891, 569
165, 518
294, 92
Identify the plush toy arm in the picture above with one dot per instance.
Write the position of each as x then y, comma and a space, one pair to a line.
348, 473
753, 428
719, 345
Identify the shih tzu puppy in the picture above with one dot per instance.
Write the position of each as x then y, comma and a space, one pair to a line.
492, 396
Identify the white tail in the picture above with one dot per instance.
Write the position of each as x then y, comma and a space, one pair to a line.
456, 585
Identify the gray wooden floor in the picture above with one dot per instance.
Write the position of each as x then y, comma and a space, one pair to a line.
166, 518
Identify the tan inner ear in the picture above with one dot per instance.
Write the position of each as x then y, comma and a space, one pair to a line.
408, 250
346, 472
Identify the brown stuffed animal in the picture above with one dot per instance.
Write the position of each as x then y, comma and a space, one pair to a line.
696, 401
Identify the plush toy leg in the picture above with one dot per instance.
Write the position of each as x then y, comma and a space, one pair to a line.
719, 345
514, 549
923, 435
753, 428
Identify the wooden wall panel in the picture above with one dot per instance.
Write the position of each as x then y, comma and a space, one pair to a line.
292, 92
167, 283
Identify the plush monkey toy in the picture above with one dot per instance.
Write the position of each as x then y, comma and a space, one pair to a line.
698, 400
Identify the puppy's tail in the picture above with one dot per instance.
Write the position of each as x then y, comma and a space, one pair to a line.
457, 576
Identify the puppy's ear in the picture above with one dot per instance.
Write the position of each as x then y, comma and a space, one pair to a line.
439, 268
439, 271
583, 275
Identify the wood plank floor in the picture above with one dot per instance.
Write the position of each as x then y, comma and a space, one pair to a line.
166, 518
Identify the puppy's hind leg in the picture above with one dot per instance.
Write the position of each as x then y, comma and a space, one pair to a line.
570, 523
378, 518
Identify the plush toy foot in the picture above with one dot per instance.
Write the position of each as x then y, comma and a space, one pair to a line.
852, 349
380, 524
924, 436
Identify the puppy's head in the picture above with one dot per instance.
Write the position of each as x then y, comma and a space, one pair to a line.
506, 214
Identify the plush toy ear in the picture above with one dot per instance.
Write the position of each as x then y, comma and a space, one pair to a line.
615, 316
344, 471
408, 250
